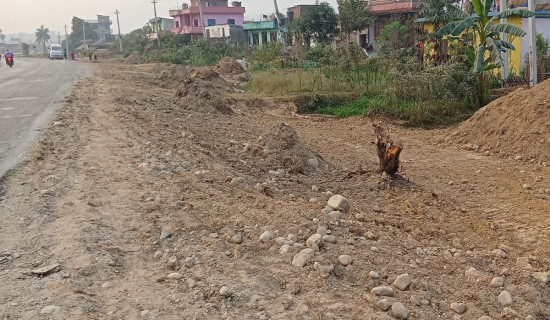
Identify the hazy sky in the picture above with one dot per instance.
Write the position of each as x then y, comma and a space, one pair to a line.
27, 15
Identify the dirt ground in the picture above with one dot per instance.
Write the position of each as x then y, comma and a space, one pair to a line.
126, 158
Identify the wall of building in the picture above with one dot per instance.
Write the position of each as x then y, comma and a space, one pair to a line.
542, 25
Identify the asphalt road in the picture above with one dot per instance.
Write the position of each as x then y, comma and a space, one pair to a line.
29, 94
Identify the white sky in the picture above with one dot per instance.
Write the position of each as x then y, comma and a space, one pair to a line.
27, 15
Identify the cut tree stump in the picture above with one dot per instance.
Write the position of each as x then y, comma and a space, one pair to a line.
388, 153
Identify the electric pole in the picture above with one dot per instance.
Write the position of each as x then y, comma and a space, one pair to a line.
532, 46
156, 21
66, 40
504, 37
118, 23
59, 37
202, 20
84, 33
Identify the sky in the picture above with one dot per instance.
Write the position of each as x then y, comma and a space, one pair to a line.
28, 15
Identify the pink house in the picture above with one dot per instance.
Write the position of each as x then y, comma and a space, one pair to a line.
215, 12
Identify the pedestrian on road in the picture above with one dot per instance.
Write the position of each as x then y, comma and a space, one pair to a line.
90, 54
95, 55
72, 55
65, 54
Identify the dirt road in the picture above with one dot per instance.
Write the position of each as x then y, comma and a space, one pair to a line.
133, 163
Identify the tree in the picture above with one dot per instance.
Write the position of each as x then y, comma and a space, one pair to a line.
319, 23
42, 36
486, 34
76, 38
353, 16
2, 36
441, 12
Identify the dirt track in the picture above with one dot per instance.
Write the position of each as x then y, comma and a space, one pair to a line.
131, 161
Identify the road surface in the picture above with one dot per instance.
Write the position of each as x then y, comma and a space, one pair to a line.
29, 94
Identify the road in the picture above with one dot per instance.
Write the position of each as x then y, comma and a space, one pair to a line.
29, 94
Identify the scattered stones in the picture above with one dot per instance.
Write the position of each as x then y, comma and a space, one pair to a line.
322, 231
339, 203
497, 282
292, 237
416, 300
329, 238
473, 273
384, 304
44, 271
165, 234
57, 124
302, 257
328, 194
238, 238
314, 239
175, 276
189, 262
399, 311
172, 262
505, 298
374, 275
315, 188
345, 259
285, 249
402, 282
266, 236
50, 309
509, 312
157, 255
371, 236
523, 262
542, 276
225, 292
500, 253
459, 308
325, 268
384, 291
335, 215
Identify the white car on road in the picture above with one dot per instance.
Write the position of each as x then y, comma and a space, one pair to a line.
56, 51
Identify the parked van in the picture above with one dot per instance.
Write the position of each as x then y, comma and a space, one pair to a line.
56, 51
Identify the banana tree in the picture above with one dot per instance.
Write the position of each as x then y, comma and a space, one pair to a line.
487, 32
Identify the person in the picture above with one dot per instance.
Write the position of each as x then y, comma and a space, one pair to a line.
73, 55
95, 55
90, 54
65, 54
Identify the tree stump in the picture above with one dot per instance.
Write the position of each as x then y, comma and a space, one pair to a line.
388, 153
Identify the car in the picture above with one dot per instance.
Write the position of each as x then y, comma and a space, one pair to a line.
56, 51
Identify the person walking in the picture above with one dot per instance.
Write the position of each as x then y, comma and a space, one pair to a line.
65, 54
90, 54
73, 55
95, 55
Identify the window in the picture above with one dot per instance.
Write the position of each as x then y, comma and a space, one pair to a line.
231, 21
177, 24
211, 22
196, 23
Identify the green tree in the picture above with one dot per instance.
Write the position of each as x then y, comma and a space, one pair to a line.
76, 38
353, 16
319, 23
136, 40
486, 34
393, 37
42, 36
542, 46
441, 12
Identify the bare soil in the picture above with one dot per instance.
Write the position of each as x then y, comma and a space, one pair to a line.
131, 159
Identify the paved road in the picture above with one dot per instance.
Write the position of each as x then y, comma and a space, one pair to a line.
29, 94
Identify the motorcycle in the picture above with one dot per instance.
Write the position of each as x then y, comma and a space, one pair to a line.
9, 61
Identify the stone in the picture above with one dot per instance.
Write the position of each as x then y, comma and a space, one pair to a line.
298, 246
325, 268
266, 236
189, 262
313, 200
505, 298
416, 300
399, 311
175, 276
345, 260
50, 309
172, 262
302, 257
292, 237
384, 291
191, 283
315, 188
329, 238
523, 262
238, 238
314, 238
459, 308
335, 215
315, 247
57, 124
473, 273
339, 203
420, 251
328, 194
282, 241
499, 253
402, 282
322, 231
44, 271
225, 292
165, 234
497, 282
544, 277
384, 304
247, 147
374, 275
285, 249
509, 312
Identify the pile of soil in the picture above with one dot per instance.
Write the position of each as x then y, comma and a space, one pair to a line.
204, 91
517, 124
282, 146
135, 58
228, 66
501, 92
171, 76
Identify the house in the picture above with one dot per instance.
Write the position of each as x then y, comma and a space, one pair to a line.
222, 32
159, 26
387, 12
102, 27
261, 32
297, 11
187, 20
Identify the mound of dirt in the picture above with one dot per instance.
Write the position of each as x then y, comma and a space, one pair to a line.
205, 91
516, 124
171, 76
282, 146
135, 58
228, 66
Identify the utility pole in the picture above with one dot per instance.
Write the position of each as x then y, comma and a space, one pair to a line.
156, 21
66, 40
84, 33
202, 20
504, 37
118, 23
59, 37
532, 46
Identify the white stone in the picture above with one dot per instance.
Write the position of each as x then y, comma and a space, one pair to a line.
473, 273
499, 253
339, 203
302, 257
402, 282
542, 276
285, 249
238, 238
329, 238
505, 298
225, 292
497, 282
459, 308
315, 188
314, 238
385, 291
384, 304
523, 262
345, 259
175, 276
325, 268
335, 215
266, 236
322, 231
399, 311
374, 275
50, 309
172, 262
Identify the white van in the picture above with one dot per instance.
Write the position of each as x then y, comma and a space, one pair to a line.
56, 51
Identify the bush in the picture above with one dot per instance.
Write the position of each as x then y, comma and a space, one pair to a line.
198, 53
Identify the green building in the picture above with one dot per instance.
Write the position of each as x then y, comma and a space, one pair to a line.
260, 32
